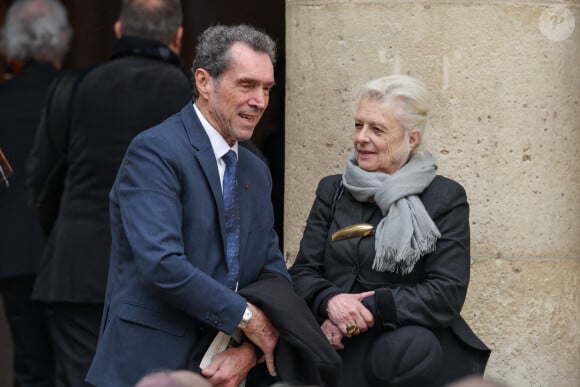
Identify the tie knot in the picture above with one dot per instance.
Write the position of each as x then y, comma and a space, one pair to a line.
230, 158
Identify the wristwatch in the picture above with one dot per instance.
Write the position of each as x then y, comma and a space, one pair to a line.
246, 318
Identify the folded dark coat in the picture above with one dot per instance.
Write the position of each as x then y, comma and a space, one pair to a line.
303, 353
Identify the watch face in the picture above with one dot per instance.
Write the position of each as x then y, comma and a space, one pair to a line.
247, 315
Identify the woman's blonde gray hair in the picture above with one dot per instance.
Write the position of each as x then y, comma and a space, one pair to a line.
410, 92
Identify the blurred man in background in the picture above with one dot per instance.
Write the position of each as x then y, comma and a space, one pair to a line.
36, 34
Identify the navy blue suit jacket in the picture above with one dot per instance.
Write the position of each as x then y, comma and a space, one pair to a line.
168, 266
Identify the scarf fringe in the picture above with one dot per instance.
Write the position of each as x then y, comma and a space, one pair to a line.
403, 261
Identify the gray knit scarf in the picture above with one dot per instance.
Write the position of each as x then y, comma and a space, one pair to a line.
406, 232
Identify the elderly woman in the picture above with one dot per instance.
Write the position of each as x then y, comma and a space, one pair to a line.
384, 261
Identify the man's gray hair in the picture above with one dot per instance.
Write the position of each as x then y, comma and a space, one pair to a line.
36, 29
213, 48
151, 19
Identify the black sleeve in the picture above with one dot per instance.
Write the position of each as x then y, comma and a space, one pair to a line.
308, 273
41, 160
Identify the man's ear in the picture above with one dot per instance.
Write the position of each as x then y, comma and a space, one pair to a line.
175, 44
204, 82
117, 29
414, 139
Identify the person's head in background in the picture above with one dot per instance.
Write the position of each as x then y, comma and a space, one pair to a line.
159, 20
233, 73
36, 30
179, 378
475, 381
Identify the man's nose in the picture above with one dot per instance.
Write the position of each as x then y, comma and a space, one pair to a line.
260, 99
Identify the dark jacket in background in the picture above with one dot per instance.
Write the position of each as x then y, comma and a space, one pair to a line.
21, 243
139, 87
21, 102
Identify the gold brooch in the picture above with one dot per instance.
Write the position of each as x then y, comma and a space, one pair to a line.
359, 230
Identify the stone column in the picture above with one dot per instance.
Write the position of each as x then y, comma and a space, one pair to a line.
505, 123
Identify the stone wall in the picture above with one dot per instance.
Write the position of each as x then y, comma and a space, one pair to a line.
505, 123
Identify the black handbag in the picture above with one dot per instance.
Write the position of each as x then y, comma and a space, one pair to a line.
47, 202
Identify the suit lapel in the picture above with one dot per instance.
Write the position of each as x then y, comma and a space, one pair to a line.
348, 212
361, 212
204, 155
368, 212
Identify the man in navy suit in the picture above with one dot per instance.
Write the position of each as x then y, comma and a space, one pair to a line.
168, 279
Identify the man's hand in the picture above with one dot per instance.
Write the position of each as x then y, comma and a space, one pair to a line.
347, 309
230, 367
262, 333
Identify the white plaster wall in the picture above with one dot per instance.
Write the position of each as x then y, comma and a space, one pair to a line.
505, 82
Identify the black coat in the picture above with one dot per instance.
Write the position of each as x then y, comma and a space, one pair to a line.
431, 296
303, 353
138, 88
21, 102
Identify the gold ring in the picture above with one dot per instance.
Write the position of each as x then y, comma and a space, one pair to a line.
351, 329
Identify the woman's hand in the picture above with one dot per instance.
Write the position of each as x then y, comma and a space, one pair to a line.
348, 313
333, 334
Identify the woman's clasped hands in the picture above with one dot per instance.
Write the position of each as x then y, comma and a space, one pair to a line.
347, 317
